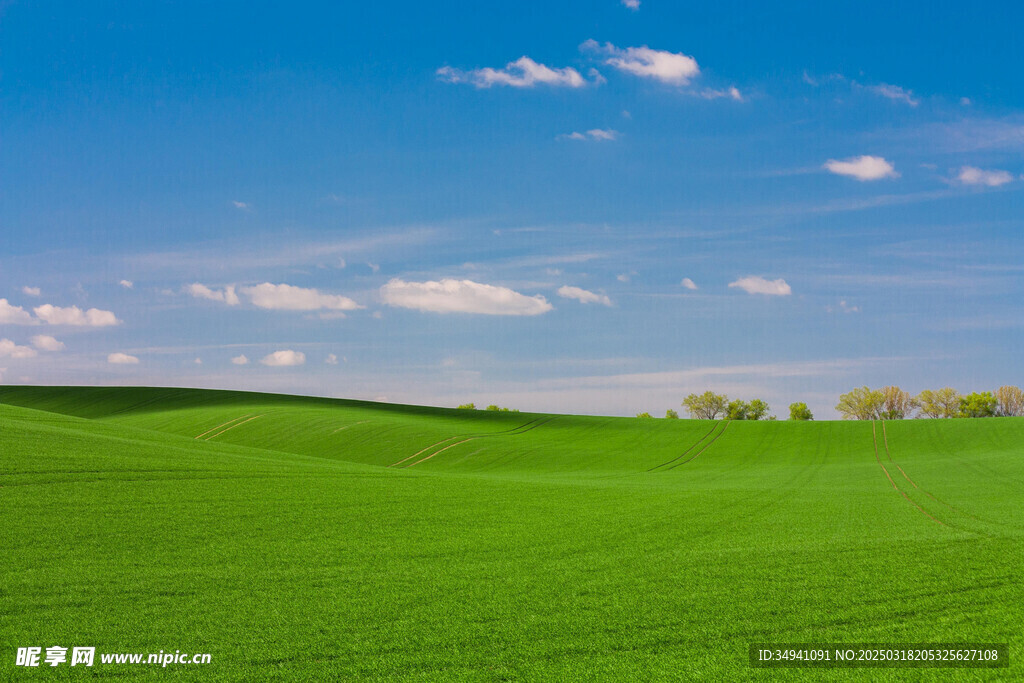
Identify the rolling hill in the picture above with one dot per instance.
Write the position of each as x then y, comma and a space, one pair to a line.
305, 538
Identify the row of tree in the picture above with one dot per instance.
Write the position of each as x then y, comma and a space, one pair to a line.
493, 408
893, 403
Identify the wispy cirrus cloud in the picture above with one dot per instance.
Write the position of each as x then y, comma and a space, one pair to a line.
522, 73
893, 92
599, 134
461, 296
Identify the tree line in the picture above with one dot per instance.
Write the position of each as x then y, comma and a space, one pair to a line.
893, 403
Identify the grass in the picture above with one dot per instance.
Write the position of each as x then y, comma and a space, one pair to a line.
304, 538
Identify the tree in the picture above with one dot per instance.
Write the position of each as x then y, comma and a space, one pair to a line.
861, 404
1011, 402
467, 406
757, 409
978, 404
671, 414
737, 410
707, 406
496, 409
800, 411
942, 403
643, 415
897, 404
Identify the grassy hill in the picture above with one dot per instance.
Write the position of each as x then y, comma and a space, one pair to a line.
298, 538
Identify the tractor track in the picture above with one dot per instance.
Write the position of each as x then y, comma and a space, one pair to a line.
683, 454
874, 440
200, 436
515, 431
708, 445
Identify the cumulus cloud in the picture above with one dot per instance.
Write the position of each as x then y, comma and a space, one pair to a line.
970, 175
688, 284
668, 67
240, 360
73, 315
583, 296
14, 315
290, 298
522, 73
127, 284
31, 291
331, 359
47, 343
9, 349
461, 296
862, 168
201, 291
631, 4
122, 359
894, 92
284, 358
598, 134
758, 285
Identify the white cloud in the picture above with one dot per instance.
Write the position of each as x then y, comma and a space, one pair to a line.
198, 361
14, 315
668, 67
201, 291
862, 168
373, 266
732, 92
122, 359
73, 315
46, 343
284, 358
127, 284
970, 175
241, 206
598, 134
895, 92
9, 349
31, 291
240, 360
583, 296
331, 359
461, 296
965, 101
631, 4
688, 283
753, 284
522, 73
290, 298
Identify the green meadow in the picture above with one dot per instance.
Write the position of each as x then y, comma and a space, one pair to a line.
302, 538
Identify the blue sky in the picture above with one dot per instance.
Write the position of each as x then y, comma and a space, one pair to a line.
573, 207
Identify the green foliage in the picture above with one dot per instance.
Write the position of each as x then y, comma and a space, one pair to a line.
978, 404
467, 406
861, 404
736, 410
943, 403
896, 404
757, 409
706, 406
671, 414
643, 415
496, 409
800, 411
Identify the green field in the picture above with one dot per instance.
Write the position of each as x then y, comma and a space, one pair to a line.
302, 538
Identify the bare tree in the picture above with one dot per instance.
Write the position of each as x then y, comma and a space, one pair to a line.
1011, 402
897, 404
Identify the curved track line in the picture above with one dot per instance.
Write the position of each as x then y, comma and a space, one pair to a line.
441, 451
885, 440
254, 417
351, 425
514, 430
219, 426
694, 445
874, 438
706, 446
